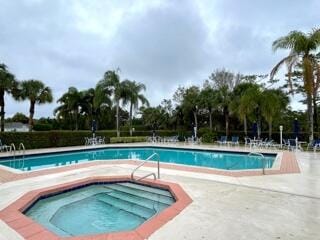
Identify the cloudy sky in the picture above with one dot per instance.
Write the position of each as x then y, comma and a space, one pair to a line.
161, 43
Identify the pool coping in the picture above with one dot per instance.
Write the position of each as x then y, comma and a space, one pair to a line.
284, 163
12, 215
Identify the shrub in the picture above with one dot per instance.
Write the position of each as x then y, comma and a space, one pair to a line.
42, 127
209, 137
47, 139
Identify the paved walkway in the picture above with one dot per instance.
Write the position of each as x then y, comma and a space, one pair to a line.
283, 206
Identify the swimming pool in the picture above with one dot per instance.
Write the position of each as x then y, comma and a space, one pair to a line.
191, 157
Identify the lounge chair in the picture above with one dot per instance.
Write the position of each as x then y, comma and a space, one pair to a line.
314, 145
235, 140
223, 140
293, 144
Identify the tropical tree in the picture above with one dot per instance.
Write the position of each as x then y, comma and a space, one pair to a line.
8, 84
37, 93
70, 105
134, 96
208, 101
94, 101
244, 102
112, 85
302, 48
191, 102
224, 81
273, 104
154, 117
20, 117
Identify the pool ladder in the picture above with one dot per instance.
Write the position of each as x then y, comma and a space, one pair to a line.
149, 174
21, 152
257, 154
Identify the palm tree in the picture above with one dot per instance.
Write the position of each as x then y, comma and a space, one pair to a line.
8, 84
224, 100
71, 102
111, 85
273, 103
302, 47
37, 93
190, 103
208, 101
133, 90
244, 102
94, 100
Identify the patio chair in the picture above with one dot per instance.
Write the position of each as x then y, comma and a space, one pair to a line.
223, 140
314, 145
101, 140
247, 141
235, 140
293, 144
263, 143
285, 143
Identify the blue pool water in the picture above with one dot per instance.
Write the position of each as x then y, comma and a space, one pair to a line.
99, 208
211, 159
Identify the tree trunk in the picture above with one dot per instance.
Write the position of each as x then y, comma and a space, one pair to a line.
117, 116
210, 120
195, 119
31, 114
270, 129
315, 111
310, 116
309, 88
2, 113
245, 128
130, 119
76, 120
226, 115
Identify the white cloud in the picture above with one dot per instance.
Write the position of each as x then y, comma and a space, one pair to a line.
160, 43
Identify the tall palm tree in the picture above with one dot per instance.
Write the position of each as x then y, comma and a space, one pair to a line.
71, 102
224, 100
37, 93
190, 103
8, 84
112, 85
302, 47
273, 103
208, 101
134, 96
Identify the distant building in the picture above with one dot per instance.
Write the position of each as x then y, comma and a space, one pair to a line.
16, 127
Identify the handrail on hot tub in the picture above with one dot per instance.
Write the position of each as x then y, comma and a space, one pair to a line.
149, 174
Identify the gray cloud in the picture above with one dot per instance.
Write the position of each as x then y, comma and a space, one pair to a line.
160, 43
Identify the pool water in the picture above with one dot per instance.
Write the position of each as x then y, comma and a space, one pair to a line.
100, 208
211, 159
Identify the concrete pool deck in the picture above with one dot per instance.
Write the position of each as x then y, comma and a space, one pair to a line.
284, 206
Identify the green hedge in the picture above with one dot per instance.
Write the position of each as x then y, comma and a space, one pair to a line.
47, 139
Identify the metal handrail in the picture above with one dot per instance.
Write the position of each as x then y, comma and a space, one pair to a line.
262, 158
149, 174
13, 149
22, 151
13, 152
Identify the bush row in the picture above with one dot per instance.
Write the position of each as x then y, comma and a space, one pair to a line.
47, 139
